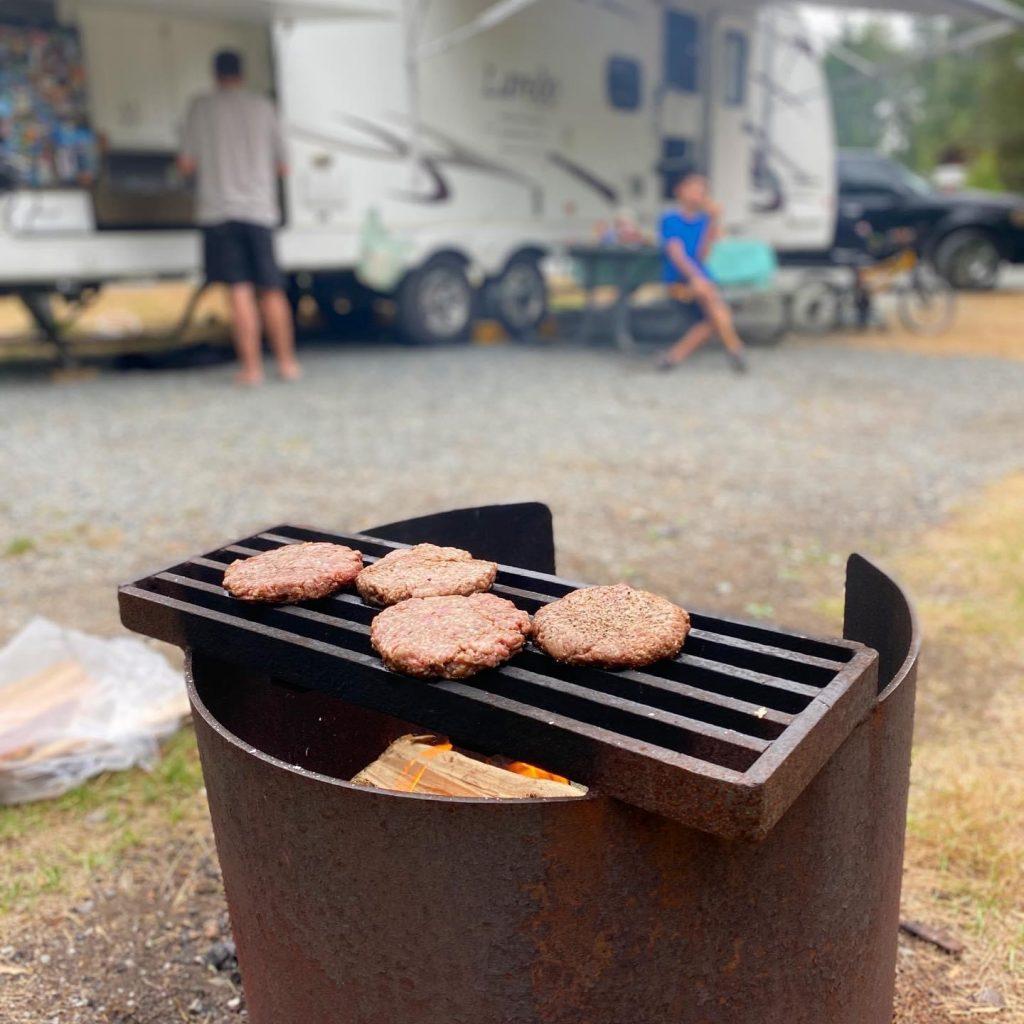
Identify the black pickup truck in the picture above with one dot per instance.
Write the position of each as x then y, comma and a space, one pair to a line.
966, 235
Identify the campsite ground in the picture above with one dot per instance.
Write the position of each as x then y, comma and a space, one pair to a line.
743, 494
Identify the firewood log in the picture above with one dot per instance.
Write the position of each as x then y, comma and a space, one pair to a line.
427, 764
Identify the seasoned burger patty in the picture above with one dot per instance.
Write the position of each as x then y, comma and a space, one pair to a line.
612, 627
293, 572
425, 570
449, 637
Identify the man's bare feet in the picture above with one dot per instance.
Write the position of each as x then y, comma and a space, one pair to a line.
249, 378
290, 371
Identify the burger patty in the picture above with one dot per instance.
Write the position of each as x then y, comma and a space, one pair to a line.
425, 570
293, 572
449, 637
611, 627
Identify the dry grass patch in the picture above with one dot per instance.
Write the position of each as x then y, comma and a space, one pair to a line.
965, 849
987, 324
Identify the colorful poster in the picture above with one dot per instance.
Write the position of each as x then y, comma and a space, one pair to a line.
45, 136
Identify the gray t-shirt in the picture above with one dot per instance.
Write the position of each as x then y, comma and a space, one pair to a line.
235, 139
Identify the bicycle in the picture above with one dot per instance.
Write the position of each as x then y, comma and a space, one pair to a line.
890, 267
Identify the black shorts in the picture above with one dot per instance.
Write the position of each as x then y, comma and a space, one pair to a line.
237, 252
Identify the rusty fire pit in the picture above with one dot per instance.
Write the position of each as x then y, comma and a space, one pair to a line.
358, 906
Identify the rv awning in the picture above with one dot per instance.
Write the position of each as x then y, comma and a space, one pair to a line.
262, 10
986, 10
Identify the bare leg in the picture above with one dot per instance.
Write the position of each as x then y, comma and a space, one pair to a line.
245, 324
277, 317
721, 317
699, 334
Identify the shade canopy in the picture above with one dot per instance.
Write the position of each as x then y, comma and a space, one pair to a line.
999, 10
1003, 10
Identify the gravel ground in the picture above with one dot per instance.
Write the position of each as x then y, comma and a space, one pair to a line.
710, 487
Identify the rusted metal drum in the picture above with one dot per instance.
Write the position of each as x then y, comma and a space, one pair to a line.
356, 906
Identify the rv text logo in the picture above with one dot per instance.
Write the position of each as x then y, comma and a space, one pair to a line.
540, 88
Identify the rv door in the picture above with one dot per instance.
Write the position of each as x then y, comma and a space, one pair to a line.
680, 108
793, 188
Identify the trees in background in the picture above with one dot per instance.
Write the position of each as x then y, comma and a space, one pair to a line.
918, 110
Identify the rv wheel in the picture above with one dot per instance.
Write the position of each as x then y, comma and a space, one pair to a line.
435, 303
520, 297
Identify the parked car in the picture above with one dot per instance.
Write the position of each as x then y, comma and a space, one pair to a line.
966, 235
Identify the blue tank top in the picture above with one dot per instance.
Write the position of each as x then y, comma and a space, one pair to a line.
691, 234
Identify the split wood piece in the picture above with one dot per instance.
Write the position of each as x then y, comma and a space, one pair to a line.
38, 710
935, 936
44, 700
429, 765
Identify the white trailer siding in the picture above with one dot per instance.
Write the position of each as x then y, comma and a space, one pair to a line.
516, 143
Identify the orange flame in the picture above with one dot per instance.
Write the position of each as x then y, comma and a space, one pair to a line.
533, 772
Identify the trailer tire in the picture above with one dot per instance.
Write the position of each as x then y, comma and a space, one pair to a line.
520, 297
436, 303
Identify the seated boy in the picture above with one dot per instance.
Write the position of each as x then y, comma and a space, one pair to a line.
687, 234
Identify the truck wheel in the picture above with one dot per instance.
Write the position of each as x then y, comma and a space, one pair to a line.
969, 258
520, 297
435, 303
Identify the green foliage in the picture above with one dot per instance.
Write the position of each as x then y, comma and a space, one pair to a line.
1004, 96
984, 172
971, 100
856, 98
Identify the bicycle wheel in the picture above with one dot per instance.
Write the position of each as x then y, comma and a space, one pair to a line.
927, 305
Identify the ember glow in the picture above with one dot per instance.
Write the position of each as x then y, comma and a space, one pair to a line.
533, 772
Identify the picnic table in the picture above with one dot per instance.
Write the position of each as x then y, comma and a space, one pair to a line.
622, 267
626, 268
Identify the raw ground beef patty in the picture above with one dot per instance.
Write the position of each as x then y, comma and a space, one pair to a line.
611, 627
449, 637
425, 570
293, 572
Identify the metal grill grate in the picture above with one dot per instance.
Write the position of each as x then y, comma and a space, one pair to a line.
723, 737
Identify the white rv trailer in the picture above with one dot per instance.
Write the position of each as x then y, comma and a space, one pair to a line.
484, 133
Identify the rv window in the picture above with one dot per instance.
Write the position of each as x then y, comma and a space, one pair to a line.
736, 50
682, 41
625, 83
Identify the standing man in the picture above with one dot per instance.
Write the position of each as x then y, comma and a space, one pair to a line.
233, 145
687, 234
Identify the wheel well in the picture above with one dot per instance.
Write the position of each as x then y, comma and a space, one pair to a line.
961, 229
445, 254
534, 253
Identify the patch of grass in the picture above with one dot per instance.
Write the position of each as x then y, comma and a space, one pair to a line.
57, 846
19, 546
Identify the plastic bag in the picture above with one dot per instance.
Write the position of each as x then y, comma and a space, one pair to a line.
382, 256
73, 705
